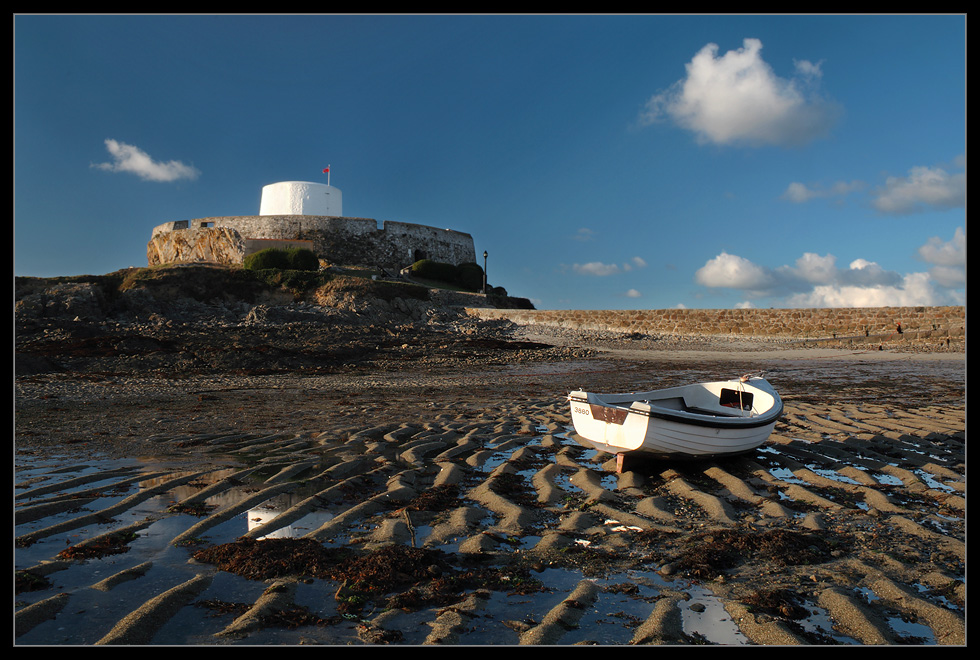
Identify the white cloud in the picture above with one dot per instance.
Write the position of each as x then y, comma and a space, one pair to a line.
950, 253
599, 269
127, 158
734, 272
948, 276
862, 272
800, 193
633, 293
596, 268
916, 289
635, 262
738, 99
584, 234
814, 268
808, 69
816, 281
924, 188
948, 259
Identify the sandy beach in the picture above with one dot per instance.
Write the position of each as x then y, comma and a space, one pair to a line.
422, 501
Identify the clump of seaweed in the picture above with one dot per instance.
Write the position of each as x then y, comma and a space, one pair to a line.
439, 498
29, 581
389, 568
711, 553
514, 487
272, 558
109, 544
199, 509
399, 576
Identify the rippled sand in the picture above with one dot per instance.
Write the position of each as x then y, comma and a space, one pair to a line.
848, 526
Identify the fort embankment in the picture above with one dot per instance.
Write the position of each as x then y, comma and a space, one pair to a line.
817, 324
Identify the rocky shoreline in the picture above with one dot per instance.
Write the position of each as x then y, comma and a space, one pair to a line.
416, 482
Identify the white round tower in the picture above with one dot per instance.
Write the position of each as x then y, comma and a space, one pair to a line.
301, 198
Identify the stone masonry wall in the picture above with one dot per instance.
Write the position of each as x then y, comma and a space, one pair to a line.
839, 323
338, 240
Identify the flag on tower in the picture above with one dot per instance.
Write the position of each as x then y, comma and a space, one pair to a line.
326, 169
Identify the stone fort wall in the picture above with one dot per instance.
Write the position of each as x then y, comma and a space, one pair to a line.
854, 324
338, 240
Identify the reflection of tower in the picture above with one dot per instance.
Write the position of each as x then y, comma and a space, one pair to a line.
301, 198
295, 526
259, 517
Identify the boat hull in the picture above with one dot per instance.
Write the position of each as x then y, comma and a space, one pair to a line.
660, 424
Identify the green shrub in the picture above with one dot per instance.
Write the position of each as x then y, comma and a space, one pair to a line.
302, 259
283, 259
467, 276
434, 270
266, 259
470, 276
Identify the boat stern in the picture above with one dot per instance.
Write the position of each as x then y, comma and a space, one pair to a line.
609, 428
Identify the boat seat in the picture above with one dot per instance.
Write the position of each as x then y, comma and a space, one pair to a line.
729, 412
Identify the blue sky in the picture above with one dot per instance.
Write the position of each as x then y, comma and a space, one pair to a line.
603, 162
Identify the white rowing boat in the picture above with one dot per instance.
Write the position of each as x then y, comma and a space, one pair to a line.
703, 420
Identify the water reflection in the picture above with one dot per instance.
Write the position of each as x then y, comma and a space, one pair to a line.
266, 514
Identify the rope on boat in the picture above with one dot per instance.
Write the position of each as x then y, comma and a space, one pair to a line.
744, 378
750, 375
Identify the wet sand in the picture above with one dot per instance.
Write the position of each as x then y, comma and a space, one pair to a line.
847, 527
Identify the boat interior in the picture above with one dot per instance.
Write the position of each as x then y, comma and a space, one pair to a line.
705, 399
729, 403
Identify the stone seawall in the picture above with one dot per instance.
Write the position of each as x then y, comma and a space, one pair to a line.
811, 324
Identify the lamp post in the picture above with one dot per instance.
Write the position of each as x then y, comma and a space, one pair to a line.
484, 272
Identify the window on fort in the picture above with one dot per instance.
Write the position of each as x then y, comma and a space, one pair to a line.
181, 224
207, 224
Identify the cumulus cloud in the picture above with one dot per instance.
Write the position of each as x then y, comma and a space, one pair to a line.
948, 276
925, 188
945, 253
816, 281
738, 99
814, 268
133, 160
864, 273
948, 259
633, 293
915, 289
734, 272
